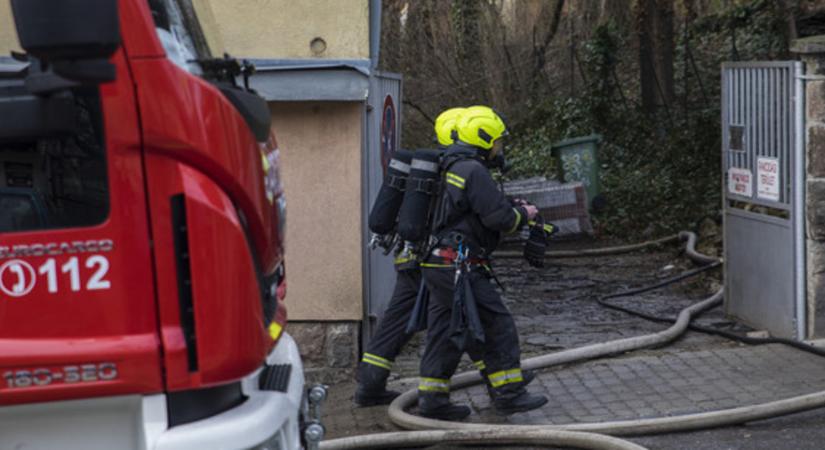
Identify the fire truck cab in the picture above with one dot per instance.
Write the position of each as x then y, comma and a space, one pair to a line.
142, 276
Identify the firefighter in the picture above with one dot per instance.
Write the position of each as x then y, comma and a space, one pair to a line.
470, 216
391, 335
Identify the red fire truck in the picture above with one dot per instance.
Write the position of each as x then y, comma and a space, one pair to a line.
141, 241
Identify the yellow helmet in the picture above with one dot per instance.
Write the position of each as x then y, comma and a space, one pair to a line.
445, 125
480, 126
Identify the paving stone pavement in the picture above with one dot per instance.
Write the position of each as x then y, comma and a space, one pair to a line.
694, 374
667, 384
662, 385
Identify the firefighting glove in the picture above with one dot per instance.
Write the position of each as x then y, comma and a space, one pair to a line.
536, 243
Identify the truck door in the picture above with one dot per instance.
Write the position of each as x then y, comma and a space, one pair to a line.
77, 303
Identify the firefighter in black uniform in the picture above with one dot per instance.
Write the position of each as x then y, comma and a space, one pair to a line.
471, 214
390, 335
389, 338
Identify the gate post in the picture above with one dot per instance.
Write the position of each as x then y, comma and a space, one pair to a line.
812, 52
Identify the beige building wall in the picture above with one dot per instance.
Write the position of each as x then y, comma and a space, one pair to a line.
8, 34
286, 28
320, 146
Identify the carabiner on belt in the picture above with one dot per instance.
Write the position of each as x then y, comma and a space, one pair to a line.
460, 260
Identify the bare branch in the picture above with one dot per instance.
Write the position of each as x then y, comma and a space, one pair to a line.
419, 109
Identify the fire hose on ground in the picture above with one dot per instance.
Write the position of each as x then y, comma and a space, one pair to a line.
607, 251
579, 435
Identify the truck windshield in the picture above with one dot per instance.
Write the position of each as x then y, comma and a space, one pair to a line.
174, 27
56, 182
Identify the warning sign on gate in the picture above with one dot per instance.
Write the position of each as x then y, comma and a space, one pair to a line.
767, 179
740, 182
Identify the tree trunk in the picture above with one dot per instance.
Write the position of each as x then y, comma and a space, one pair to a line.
790, 9
466, 31
391, 35
663, 44
655, 31
540, 47
647, 68
617, 12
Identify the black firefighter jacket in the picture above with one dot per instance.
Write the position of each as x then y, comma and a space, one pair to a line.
472, 204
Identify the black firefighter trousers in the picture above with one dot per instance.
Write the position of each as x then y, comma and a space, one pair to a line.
390, 336
501, 351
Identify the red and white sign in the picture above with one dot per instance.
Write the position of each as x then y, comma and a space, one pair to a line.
767, 178
740, 182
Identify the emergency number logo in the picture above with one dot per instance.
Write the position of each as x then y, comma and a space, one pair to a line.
17, 278
387, 132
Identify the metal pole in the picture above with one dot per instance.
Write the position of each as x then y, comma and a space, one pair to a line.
375, 32
799, 201
727, 110
367, 149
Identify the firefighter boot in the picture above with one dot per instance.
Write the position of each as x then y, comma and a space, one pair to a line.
372, 386
436, 405
512, 398
527, 375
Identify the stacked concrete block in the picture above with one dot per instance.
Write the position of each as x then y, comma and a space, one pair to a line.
565, 205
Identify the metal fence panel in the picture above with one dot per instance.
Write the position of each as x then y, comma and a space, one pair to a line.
761, 156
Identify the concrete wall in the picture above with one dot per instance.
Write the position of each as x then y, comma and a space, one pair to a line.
286, 28
320, 142
321, 156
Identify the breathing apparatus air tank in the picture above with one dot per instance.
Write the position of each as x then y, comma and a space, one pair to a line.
387, 204
422, 186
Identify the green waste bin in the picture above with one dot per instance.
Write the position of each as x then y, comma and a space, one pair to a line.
578, 160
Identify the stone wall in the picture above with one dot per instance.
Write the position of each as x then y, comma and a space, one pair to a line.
329, 349
812, 52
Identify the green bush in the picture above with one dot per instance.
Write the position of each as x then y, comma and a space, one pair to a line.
659, 173
655, 180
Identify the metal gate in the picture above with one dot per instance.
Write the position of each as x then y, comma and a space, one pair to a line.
763, 163
383, 132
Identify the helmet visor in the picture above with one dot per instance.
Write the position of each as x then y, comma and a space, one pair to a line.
498, 148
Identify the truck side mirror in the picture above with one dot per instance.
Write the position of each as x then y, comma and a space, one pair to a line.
74, 37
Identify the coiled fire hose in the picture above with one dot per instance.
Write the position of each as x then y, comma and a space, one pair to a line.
583, 434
